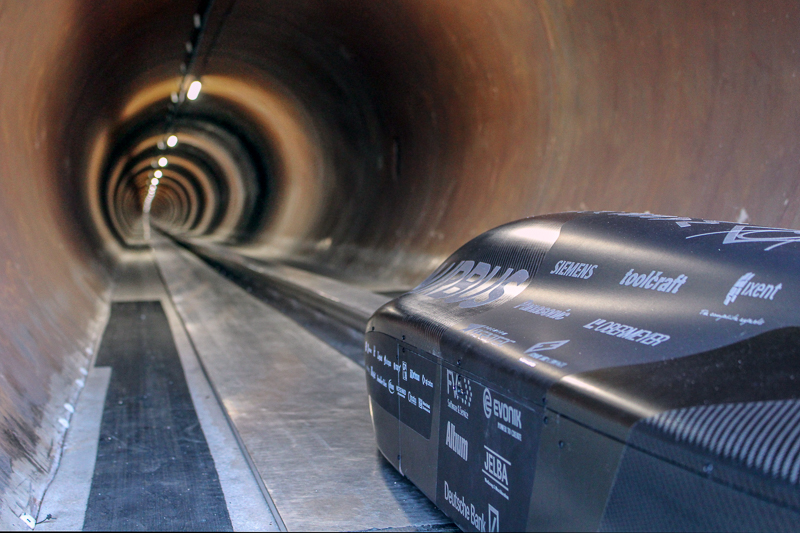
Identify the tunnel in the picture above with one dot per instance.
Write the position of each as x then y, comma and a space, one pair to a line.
358, 141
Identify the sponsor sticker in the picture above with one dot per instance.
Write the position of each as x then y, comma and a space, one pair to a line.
474, 285
508, 417
629, 333
495, 471
741, 234
456, 442
534, 350
735, 318
402, 383
573, 270
475, 518
381, 374
459, 388
744, 286
738, 234
654, 281
494, 519
488, 334
541, 310
485, 459
683, 222
415, 375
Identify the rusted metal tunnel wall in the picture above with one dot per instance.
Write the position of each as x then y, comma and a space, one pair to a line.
361, 138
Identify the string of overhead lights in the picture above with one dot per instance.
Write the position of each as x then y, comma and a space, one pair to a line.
188, 88
192, 46
183, 93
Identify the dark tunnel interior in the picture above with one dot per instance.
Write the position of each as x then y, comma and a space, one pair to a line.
361, 139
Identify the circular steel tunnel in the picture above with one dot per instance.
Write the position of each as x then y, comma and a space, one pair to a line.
363, 139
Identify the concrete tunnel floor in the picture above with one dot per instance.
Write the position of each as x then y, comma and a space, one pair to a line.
358, 140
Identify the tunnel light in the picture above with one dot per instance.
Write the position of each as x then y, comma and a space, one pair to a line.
172, 140
162, 161
174, 98
161, 145
158, 173
194, 90
197, 20
148, 201
151, 193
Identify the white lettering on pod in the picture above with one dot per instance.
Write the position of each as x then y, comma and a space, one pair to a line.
534, 350
495, 470
456, 442
500, 409
654, 281
488, 334
468, 511
473, 285
573, 270
745, 287
629, 333
541, 310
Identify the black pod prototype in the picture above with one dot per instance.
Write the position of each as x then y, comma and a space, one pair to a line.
612, 371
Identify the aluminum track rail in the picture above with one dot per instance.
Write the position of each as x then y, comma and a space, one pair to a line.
298, 407
343, 303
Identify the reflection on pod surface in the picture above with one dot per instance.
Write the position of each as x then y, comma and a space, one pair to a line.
647, 367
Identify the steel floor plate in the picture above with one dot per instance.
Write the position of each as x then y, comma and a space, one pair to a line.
299, 406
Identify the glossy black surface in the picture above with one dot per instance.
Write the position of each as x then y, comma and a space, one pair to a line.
599, 328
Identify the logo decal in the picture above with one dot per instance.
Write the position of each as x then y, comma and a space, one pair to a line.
756, 234
745, 287
654, 281
740, 233
467, 510
494, 519
460, 387
683, 222
487, 334
543, 347
473, 285
742, 320
573, 270
541, 310
508, 417
456, 442
629, 333
495, 471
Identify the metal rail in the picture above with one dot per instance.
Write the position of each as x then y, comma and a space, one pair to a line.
343, 303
